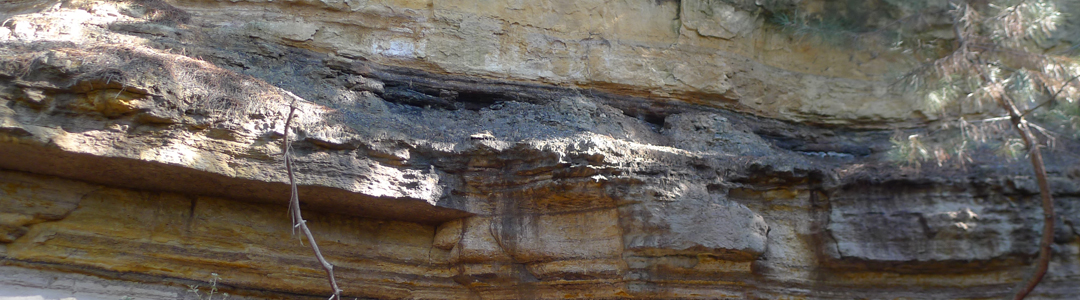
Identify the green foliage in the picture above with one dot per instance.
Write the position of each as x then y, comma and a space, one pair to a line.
1011, 148
832, 31
972, 55
996, 62
912, 6
1064, 117
213, 289
909, 28
1034, 21
909, 150
944, 150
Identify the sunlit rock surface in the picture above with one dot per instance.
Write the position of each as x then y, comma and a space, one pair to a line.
486, 150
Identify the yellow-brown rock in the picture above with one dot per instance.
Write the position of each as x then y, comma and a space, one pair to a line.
486, 150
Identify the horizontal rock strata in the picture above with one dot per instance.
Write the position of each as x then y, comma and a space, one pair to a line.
455, 150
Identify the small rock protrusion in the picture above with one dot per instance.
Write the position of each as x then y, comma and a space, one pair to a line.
482, 136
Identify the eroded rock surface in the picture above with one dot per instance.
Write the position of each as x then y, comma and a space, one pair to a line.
460, 150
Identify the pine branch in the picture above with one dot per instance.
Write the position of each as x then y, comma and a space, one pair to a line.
996, 91
1032, 147
1047, 205
1053, 97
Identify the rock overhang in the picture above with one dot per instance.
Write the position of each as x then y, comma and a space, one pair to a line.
625, 179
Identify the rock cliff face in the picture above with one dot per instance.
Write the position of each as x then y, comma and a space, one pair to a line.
486, 150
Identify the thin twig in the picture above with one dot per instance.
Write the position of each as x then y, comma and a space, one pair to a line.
294, 206
1051, 136
1052, 97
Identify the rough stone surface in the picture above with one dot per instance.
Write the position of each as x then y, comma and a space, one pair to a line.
486, 150
28, 283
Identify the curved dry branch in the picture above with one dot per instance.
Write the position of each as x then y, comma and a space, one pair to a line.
1031, 145
974, 61
1035, 154
298, 221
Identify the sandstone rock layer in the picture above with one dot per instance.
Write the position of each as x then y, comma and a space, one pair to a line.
476, 150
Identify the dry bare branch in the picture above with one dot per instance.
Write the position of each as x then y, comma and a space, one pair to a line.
298, 221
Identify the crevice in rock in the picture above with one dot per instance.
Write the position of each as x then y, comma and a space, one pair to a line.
124, 172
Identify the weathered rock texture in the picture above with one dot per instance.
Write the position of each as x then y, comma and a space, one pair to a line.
502, 150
